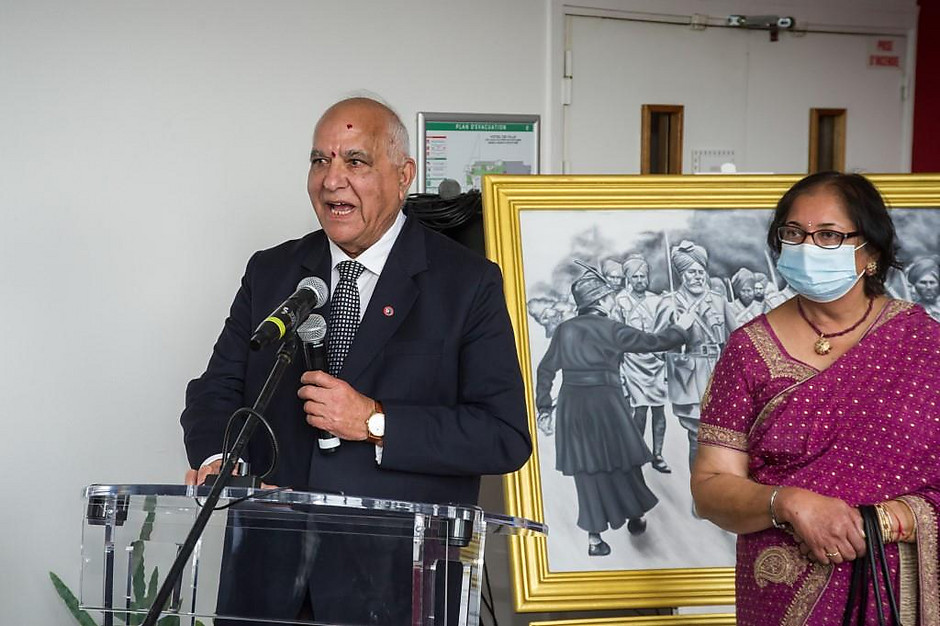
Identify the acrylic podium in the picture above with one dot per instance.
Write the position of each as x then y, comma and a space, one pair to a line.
429, 557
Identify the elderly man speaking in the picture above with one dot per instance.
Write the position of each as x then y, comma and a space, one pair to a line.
424, 388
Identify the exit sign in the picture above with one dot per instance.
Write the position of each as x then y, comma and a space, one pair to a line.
886, 52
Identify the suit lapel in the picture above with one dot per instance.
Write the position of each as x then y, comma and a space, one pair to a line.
318, 263
394, 295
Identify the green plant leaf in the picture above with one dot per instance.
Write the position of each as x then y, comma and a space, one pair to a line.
143, 597
150, 506
137, 578
153, 588
71, 601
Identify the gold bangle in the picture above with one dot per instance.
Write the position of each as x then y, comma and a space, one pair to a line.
910, 535
885, 532
895, 533
773, 512
884, 519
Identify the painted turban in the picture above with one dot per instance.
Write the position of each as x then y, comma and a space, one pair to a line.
611, 267
687, 253
634, 263
741, 279
923, 267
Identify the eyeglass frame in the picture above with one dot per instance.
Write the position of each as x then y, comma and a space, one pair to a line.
812, 235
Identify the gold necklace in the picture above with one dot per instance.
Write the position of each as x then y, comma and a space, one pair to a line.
822, 346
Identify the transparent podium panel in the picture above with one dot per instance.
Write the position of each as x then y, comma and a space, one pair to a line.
284, 557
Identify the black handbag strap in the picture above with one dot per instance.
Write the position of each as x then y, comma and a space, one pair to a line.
873, 566
858, 593
873, 535
879, 550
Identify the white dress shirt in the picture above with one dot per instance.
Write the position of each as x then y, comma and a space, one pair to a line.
373, 259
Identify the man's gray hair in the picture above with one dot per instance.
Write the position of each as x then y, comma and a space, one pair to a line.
399, 144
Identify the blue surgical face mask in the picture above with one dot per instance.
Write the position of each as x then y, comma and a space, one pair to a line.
819, 274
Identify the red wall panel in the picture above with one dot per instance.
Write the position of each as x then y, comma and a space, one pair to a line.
926, 150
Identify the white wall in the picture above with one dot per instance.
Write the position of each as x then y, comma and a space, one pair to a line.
146, 149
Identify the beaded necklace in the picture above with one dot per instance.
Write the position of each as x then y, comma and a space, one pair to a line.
822, 345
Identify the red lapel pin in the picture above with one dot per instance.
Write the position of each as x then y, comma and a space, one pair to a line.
388, 311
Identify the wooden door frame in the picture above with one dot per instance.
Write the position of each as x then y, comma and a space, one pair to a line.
676, 112
838, 138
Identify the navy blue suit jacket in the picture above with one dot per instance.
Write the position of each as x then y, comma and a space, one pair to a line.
435, 346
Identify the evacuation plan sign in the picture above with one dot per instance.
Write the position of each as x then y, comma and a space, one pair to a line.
466, 150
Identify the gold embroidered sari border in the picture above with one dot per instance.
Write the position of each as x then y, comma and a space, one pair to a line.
778, 364
724, 437
928, 557
782, 565
891, 310
909, 587
774, 402
807, 596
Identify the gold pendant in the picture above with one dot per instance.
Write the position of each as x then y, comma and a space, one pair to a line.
822, 346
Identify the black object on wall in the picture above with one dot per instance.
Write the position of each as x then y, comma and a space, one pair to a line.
457, 215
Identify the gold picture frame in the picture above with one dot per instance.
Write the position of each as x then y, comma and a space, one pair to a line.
516, 205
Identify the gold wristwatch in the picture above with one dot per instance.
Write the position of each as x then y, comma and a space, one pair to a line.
375, 425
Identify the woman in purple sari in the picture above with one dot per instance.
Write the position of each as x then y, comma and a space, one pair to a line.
829, 402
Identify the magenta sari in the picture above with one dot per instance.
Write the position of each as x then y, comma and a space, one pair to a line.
866, 429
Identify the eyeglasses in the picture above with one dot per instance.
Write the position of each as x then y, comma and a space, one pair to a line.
829, 239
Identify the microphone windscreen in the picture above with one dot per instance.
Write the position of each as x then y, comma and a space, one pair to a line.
313, 330
317, 286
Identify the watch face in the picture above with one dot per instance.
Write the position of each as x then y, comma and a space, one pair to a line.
376, 425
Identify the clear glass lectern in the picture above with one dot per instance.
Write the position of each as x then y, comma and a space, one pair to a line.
285, 557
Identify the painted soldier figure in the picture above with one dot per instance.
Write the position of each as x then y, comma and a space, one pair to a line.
644, 372
689, 367
746, 306
760, 288
924, 276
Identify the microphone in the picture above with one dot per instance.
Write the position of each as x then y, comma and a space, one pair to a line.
311, 334
311, 294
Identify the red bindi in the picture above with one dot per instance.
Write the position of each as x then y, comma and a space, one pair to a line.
333, 154
348, 125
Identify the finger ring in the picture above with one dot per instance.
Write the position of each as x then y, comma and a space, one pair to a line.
833, 555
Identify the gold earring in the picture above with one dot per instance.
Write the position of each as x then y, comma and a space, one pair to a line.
872, 268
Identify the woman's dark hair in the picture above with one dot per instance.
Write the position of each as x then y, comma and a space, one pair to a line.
865, 207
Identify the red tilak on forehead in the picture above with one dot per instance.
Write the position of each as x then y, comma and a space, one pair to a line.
348, 125
332, 154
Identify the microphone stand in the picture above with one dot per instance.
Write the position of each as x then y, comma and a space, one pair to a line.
285, 356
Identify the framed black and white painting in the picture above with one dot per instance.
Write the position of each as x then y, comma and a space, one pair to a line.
653, 243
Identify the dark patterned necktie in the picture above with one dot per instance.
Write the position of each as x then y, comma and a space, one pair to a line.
344, 315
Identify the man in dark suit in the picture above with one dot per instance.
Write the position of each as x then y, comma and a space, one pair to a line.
429, 396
